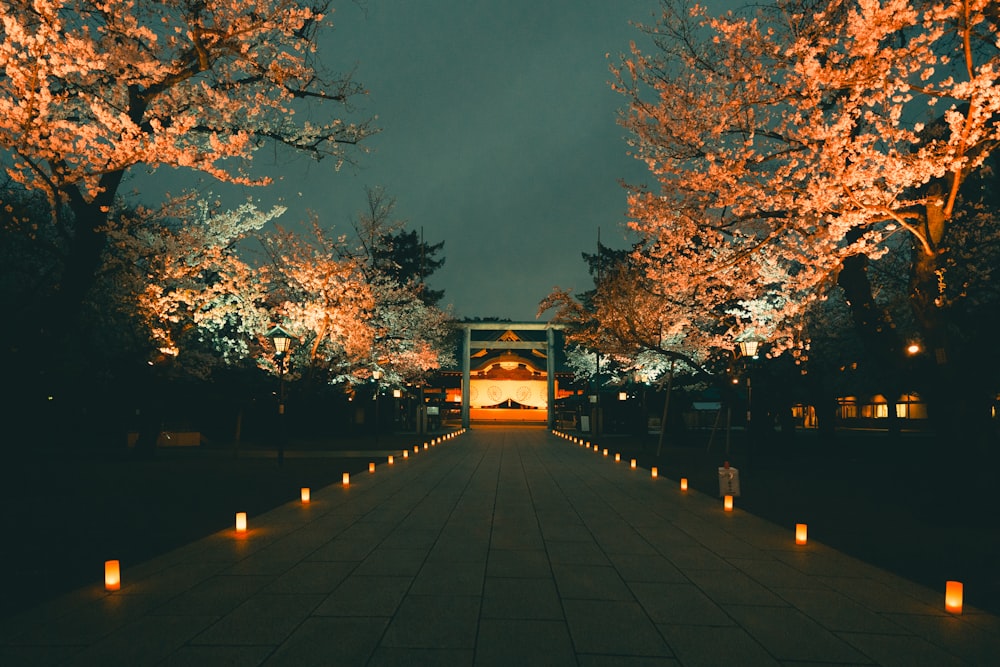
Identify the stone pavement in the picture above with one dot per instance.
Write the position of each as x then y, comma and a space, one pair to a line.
498, 547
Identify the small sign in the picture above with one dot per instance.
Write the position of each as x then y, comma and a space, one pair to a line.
729, 482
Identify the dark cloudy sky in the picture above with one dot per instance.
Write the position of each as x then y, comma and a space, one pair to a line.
499, 137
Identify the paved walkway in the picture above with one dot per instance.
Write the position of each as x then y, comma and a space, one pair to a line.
503, 546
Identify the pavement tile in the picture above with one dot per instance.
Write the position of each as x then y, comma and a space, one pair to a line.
505, 642
87, 624
311, 577
263, 619
147, 641
880, 597
575, 553
521, 599
218, 656
585, 660
774, 573
388, 656
732, 587
434, 621
518, 563
978, 644
365, 596
835, 611
45, 655
330, 642
392, 562
788, 634
680, 604
214, 597
590, 582
701, 646
446, 578
900, 651
646, 567
613, 627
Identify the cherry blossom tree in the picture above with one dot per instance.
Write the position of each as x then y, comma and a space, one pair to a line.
793, 143
89, 91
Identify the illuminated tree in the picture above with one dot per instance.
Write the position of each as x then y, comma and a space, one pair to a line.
90, 90
410, 332
792, 144
627, 321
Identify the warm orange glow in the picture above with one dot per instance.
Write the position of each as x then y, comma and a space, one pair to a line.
304, 494
953, 591
346, 478
425, 445
633, 464
605, 452
654, 471
112, 575
801, 533
684, 483
727, 503
406, 453
618, 457
371, 466
391, 460
241, 522
416, 449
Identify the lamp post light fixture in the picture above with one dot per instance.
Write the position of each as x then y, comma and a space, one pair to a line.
376, 375
282, 341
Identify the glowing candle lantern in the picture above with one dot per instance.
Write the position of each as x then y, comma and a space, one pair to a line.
346, 479
391, 460
112, 575
953, 597
371, 466
727, 503
416, 449
801, 533
304, 494
605, 452
633, 464
241, 522
654, 472
684, 483
618, 458
425, 445
406, 453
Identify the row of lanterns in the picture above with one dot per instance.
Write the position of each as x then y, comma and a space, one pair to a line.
953, 596
112, 568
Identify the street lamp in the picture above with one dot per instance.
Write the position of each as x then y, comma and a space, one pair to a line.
749, 348
376, 375
282, 341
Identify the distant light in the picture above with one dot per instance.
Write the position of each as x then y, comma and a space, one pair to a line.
346, 479
727, 503
913, 348
801, 533
953, 597
112, 575
241, 522
304, 494
684, 483
654, 472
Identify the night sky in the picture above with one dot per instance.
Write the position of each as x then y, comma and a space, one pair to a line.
499, 137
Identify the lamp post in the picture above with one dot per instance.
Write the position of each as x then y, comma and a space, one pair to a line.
749, 348
282, 341
376, 375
